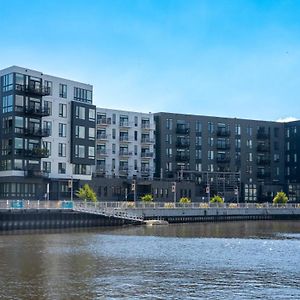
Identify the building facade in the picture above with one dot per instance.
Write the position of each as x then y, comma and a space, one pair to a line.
48, 135
125, 144
236, 158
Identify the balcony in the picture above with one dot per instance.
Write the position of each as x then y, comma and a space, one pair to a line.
182, 130
102, 136
262, 148
145, 172
223, 132
262, 135
33, 111
182, 157
36, 173
263, 161
182, 144
100, 170
34, 153
123, 170
124, 124
220, 146
146, 126
147, 141
125, 153
32, 90
104, 121
124, 138
101, 152
223, 160
36, 132
147, 154
263, 175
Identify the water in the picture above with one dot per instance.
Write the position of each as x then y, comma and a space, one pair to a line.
236, 260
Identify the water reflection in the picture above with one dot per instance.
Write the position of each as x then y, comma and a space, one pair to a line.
244, 260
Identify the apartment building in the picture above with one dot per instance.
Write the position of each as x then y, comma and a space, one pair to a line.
47, 136
292, 156
124, 144
236, 158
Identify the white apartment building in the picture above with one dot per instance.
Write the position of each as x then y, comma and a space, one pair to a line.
124, 144
48, 135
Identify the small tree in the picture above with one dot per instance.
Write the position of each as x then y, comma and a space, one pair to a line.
86, 193
280, 198
216, 199
185, 200
147, 198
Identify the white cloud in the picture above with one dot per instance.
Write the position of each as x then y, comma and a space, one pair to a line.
286, 119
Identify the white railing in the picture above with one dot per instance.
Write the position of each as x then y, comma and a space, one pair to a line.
121, 206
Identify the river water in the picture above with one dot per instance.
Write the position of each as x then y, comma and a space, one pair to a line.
230, 260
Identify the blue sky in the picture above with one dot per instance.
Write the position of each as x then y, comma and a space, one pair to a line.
232, 58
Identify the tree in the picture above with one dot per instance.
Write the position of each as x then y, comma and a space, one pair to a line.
185, 200
147, 198
86, 193
216, 199
280, 198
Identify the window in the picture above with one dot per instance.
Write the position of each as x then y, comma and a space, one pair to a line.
7, 104
114, 118
7, 82
276, 132
135, 135
113, 148
79, 132
61, 168
48, 107
169, 139
210, 141
135, 121
250, 156
92, 115
82, 169
249, 144
47, 125
80, 112
80, 151
198, 154
237, 129
47, 166
92, 134
91, 152
62, 90
82, 95
169, 124
249, 130
198, 126
62, 150
114, 133
62, 130
210, 155
62, 110
48, 87
135, 149
210, 127
47, 145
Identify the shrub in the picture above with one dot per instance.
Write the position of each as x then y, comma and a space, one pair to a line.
86, 193
216, 199
185, 200
147, 198
280, 198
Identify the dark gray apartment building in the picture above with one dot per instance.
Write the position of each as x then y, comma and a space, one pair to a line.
292, 152
236, 158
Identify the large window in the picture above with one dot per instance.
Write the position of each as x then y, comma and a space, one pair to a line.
7, 82
92, 134
47, 166
62, 150
62, 168
48, 86
80, 132
92, 114
62, 130
80, 151
82, 95
62, 110
62, 90
47, 125
7, 104
80, 112
47, 145
91, 152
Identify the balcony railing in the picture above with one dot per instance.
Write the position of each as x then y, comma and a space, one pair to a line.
35, 153
263, 148
223, 146
223, 132
223, 160
262, 135
33, 90
102, 136
124, 138
182, 144
36, 173
182, 157
147, 154
263, 161
146, 126
124, 124
33, 111
263, 175
125, 153
147, 141
101, 152
104, 121
182, 130
37, 132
